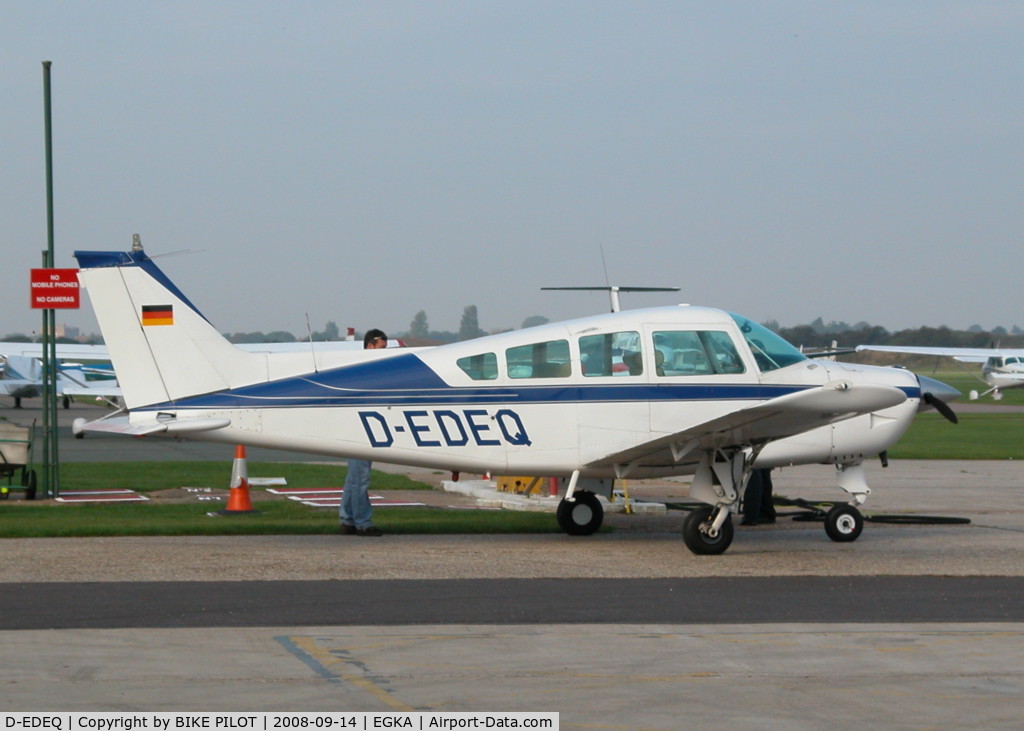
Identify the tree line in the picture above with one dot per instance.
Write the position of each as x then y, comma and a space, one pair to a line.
818, 334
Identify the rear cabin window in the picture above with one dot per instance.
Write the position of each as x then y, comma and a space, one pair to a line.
539, 360
611, 354
483, 367
695, 353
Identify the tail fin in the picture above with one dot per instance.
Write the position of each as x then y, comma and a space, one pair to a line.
161, 346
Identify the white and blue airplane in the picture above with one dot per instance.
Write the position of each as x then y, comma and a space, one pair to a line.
631, 394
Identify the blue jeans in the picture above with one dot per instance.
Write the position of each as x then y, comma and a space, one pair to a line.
355, 501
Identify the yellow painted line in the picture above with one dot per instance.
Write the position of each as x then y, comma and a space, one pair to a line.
335, 666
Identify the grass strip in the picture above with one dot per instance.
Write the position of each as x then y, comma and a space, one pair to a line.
977, 436
20, 519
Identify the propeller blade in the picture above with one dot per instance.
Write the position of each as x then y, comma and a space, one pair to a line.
937, 395
941, 406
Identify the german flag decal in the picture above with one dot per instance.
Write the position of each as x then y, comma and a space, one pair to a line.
157, 315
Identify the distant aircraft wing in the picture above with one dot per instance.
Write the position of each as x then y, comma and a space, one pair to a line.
776, 418
65, 351
964, 355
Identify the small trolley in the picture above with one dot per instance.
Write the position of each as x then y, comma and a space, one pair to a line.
15, 454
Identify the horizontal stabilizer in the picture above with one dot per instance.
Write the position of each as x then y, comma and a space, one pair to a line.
121, 425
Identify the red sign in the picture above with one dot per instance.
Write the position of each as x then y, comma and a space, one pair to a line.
55, 289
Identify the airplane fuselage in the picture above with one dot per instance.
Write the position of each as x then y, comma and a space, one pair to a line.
1002, 373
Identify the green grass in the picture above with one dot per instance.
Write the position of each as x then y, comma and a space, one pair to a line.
19, 519
977, 436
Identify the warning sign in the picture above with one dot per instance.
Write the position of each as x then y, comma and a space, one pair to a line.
55, 289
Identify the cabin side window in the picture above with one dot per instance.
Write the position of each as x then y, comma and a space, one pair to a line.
611, 354
483, 367
695, 353
539, 360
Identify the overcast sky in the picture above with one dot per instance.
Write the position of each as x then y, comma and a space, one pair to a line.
360, 161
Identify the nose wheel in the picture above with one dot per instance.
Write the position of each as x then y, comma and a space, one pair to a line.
843, 523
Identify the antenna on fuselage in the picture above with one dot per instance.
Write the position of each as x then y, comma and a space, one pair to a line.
613, 292
312, 348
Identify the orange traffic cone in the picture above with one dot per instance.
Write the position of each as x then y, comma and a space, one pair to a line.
238, 499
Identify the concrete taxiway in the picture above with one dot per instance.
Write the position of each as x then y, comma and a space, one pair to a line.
911, 626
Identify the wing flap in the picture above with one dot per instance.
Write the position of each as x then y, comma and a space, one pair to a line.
776, 418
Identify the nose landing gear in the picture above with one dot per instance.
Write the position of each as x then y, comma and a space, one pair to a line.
843, 523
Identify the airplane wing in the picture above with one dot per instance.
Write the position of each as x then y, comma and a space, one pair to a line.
65, 351
776, 418
964, 355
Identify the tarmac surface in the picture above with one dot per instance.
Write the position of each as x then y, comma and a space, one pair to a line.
911, 626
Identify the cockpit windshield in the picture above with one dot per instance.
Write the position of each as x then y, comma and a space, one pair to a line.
770, 350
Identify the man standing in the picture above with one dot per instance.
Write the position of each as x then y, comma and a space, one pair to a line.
355, 511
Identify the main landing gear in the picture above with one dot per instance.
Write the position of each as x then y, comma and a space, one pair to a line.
701, 534
580, 516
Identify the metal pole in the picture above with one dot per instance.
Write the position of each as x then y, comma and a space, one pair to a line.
45, 341
51, 480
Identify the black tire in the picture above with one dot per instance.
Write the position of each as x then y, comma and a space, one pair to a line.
30, 485
696, 537
844, 523
582, 516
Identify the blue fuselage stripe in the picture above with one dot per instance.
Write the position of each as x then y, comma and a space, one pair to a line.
478, 396
372, 384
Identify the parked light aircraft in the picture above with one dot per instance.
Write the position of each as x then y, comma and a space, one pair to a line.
23, 378
705, 392
1002, 367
